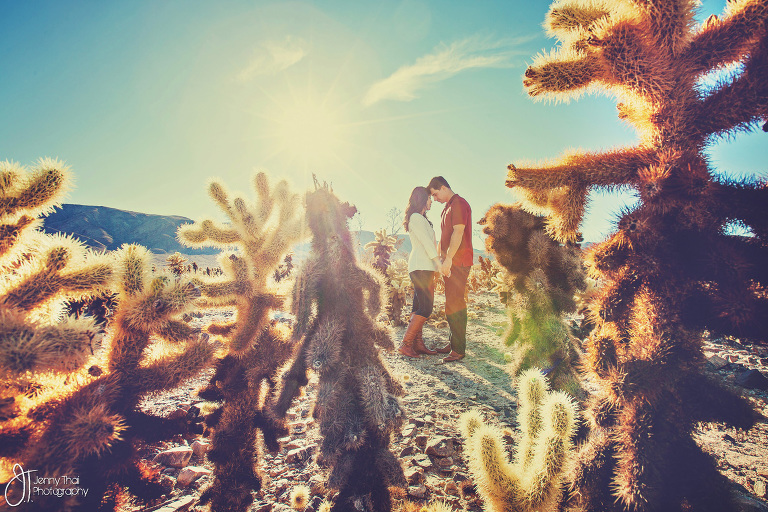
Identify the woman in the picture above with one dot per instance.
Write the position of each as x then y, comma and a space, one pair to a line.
423, 263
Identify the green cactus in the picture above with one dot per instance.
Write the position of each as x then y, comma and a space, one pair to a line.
672, 269
540, 282
335, 302
534, 480
263, 233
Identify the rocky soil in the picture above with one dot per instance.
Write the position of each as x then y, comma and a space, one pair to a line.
429, 445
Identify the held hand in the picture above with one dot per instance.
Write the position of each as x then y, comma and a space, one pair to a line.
445, 268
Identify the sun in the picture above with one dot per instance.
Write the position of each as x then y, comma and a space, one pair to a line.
310, 131
307, 130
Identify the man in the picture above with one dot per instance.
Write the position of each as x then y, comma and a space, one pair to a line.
457, 255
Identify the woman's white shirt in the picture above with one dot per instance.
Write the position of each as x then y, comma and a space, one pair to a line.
423, 244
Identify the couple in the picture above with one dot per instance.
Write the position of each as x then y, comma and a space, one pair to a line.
453, 258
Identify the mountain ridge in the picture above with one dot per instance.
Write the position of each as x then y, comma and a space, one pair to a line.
105, 228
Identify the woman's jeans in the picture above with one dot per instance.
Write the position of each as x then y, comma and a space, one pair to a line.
424, 292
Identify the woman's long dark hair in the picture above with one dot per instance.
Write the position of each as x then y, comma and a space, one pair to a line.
416, 204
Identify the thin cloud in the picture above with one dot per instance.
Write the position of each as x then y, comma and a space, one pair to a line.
443, 63
272, 57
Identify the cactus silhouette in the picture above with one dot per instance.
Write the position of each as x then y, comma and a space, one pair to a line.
335, 302
672, 269
534, 480
543, 278
263, 232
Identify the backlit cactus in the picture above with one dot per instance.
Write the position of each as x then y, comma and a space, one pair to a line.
91, 431
39, 274
245, 376
535, 480
82, 424
398, 287
673, 268
336, 303
382, 248
543, 278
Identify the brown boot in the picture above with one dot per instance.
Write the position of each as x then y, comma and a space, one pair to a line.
406, 346
418, 343
453, 356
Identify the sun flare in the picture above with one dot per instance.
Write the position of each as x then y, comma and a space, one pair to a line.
310, 131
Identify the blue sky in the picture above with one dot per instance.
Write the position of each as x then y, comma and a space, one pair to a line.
147, 100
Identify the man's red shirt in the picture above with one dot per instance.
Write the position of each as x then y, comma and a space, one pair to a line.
457, 211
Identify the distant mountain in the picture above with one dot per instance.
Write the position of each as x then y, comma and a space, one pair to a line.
101, 227
104, 228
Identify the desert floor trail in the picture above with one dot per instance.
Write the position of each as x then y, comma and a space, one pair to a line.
429, 444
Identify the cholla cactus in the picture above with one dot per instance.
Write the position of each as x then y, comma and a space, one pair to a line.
335, 303
263, 232
176, 263
382, 247
534, 480
541, 280
672, 269
83, 427
398, 287
91, 431
40, 273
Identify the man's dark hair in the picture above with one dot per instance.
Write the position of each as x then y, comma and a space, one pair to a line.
437, 182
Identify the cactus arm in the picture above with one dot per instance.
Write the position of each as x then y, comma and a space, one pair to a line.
496, 478
564, 18
41, 191
738, 105
174, 330
293, 380
370, 284
304, 296
607, 169
87, 280
28, 346
744, 201
670, 22
169, 372
532, 391
561, 74
721, 42
207, 233
567, 211
551, 449
324, 346
10, 234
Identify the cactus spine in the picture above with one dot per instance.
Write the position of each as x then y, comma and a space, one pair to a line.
534, 480
671, 270
263, 233
335, 303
